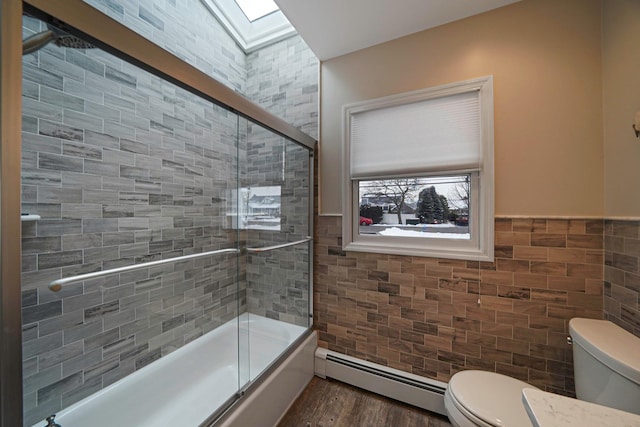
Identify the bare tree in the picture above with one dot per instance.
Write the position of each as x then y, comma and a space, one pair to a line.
395, 191
459, 196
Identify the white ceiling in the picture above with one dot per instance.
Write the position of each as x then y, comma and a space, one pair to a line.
335, 27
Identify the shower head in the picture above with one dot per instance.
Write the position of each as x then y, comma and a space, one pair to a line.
58, 37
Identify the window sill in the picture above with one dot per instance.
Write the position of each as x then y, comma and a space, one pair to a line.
469, 254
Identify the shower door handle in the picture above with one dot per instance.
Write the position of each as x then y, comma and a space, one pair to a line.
56, 285
283, 245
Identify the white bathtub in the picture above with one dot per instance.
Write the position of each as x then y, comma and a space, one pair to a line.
185, 387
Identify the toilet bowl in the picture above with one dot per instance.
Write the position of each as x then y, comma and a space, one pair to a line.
606, 371
486, 399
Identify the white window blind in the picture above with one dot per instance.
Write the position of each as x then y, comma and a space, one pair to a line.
432, 135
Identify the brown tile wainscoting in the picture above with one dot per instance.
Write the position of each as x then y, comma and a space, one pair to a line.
421, 315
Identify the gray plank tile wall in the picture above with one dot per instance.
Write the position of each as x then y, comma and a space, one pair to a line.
186, 29
283, 79
278, 283
146, 181
124, 168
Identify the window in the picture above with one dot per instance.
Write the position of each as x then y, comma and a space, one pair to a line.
253, 24
418, 171
256, 9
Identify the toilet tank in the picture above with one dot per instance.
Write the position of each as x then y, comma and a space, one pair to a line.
606, 364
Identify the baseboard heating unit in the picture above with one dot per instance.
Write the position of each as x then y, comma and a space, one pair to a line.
402, 386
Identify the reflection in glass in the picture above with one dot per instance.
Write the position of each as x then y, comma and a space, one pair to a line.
256, 208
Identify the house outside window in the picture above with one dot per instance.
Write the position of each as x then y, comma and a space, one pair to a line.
418, 172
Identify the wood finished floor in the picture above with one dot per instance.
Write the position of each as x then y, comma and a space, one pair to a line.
332, 403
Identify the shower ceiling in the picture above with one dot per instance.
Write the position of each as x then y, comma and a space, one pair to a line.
335, 27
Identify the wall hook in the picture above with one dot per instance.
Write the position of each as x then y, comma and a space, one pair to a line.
636, 124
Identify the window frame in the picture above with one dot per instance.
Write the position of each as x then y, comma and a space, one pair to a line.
481, 224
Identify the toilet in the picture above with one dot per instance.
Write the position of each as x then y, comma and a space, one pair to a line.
606, 364
606, 370
487, 399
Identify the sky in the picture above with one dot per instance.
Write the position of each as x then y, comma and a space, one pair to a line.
444, 186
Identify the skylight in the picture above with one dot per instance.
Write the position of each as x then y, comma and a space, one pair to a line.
269, 28
256, 9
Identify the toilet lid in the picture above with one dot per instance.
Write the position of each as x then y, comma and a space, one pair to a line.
493, 398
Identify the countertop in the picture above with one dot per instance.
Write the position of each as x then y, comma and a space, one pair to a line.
553, 410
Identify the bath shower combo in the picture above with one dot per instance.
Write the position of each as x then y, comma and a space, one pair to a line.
151, 290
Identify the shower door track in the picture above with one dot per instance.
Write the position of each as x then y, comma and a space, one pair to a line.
56, 285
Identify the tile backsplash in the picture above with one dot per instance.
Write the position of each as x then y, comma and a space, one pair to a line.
434, 317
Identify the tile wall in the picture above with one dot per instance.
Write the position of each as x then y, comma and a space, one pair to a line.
186, 29
422, 315
622, 274
283, 79
278, 280
123, 167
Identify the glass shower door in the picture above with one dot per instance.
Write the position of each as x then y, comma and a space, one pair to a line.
275, 215
126, 256
130, 255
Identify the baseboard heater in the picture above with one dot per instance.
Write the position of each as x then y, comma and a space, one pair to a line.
399, 385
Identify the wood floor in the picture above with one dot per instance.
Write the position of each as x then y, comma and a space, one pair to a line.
332, 403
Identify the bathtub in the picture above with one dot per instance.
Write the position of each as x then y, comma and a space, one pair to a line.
185, 387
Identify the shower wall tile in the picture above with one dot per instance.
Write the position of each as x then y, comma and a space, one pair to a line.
278, 280
184, 28
434, 317
143, 183
621, 274
283, 78
125, 168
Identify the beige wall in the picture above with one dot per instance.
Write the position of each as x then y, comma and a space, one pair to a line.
621, 99
545, 56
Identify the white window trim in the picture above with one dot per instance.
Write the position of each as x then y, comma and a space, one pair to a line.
250, 36
481, 245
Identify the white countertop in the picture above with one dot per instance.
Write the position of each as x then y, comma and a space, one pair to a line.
553, 410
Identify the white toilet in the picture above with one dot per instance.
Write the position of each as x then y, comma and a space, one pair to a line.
481, 398
606, 364
606, 370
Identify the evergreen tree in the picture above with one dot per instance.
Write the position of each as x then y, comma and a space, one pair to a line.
432, 207
424, 207
437, 205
